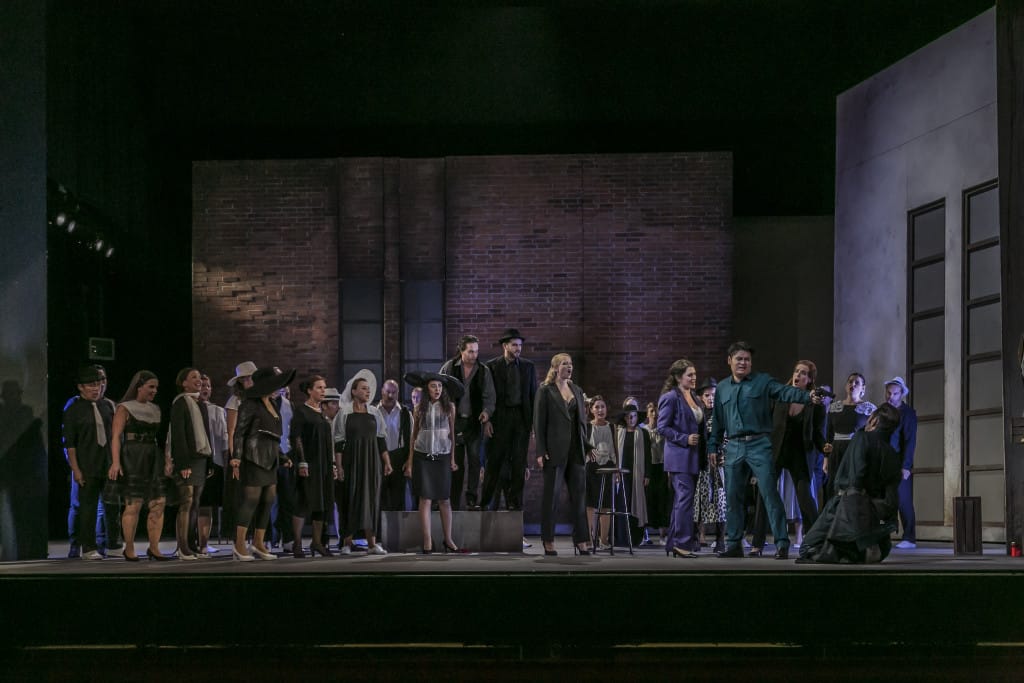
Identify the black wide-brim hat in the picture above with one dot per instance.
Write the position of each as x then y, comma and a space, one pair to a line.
627, 410
709, 383
265, 381
509, 334
422, 379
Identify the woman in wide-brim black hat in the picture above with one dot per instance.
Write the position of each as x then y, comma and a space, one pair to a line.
254, 460
431, 459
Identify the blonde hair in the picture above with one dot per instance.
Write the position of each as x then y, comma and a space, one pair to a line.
556, 360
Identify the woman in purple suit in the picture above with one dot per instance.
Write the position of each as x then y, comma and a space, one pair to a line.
680, 415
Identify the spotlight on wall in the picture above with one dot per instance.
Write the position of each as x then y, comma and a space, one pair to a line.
110, 252
72, 225
61, 219
99, 245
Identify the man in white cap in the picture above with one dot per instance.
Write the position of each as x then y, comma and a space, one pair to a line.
239, 383
904, 442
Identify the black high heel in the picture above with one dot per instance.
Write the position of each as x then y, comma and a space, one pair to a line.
131, 558
315, 548
157, 557
426, 550
576, 550
451, 548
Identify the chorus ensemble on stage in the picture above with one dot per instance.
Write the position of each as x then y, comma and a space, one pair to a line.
710, 467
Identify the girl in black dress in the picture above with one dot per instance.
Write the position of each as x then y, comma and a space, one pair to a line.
139, 468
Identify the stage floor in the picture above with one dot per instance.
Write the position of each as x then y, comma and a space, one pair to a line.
649, 559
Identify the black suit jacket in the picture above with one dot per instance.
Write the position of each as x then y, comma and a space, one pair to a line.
527, 386
553, 423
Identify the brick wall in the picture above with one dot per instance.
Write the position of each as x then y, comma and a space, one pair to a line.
624, 261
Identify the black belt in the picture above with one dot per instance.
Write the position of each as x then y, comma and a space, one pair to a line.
748, 437
131, 436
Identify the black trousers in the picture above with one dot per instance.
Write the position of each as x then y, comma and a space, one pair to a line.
574, 475
467, 456
804, 499
506, 450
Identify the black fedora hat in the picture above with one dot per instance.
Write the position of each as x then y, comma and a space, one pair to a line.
422, 379
709, 383
628, 409
266, 381
509, 334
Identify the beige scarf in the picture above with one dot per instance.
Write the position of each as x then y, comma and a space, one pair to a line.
202, 440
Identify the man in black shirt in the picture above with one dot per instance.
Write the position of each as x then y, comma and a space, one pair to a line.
87, 426
515, 388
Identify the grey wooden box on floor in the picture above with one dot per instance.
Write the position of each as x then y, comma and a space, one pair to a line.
476, 531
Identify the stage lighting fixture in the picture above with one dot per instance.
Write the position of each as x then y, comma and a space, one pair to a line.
110, 252
99, 245
61, 219
72, 225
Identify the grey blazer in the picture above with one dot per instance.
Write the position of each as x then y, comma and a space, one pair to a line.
553, 423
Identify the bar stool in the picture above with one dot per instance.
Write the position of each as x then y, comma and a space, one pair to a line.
606, 472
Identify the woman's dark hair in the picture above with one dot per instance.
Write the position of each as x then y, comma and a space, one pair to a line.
138, 379
182, 376
424, 404
307, 384
888, 418
675, 371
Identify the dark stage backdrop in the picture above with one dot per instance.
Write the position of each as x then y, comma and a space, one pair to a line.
624, 261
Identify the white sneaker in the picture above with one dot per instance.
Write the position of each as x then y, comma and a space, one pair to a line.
287, 547
116, 552
377, 549
906, 545
345, 550
526, 544
210, 550
92, 555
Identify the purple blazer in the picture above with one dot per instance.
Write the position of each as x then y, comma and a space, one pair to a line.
676, 422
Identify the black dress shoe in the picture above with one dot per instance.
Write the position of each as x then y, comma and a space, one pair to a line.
782, 553
158, 557
735, 551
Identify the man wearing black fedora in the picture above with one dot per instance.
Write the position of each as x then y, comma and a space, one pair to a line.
515, 388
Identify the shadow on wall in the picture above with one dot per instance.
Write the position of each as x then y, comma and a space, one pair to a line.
22, 478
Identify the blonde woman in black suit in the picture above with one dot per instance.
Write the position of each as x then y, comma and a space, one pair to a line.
560, 427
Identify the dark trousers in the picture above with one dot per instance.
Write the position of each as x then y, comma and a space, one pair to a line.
392, 488
106, 528
905, 491
85, 523
506, 450
467, 457
575, 479
283, 507
680, 523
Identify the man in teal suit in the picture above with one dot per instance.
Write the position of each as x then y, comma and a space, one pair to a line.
743, 412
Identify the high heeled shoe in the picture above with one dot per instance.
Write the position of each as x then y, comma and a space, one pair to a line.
157, 557
298, 553
679, 552
262, 554
452, 548
324, 551
550, 552
241, 557
131, 558
427, 551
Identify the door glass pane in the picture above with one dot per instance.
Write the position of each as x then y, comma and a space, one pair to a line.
985, 385
985, 440
930, 233
991, 486
929, 452
985, 329
361, 300
984, 265
984, 215
362, 341
929, 286
927, 391
929, 339
928, 497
